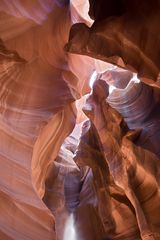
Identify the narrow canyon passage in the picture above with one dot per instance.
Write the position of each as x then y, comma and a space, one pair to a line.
79, 120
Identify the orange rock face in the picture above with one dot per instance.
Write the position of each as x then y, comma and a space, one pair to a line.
124, 34
69, 172
132, 168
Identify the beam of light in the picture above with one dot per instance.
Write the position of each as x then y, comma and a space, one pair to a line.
70, 231
135, 78
93, 79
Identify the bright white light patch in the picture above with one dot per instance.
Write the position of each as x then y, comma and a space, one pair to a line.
111, 88
93, 79
135, 78
69, 232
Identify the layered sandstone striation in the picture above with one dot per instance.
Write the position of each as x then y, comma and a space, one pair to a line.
54, 164
124, 33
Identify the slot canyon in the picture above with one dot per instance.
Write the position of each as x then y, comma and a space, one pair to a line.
80, 120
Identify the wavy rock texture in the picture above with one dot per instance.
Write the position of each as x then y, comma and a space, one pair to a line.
124, 33
41, 186
63, 183
132, 169
36, 112
111, 199
69, 190
139, 105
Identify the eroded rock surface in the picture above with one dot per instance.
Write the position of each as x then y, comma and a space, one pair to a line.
46, 176
132, 168
124, 33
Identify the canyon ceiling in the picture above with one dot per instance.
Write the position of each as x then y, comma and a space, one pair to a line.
79, 119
